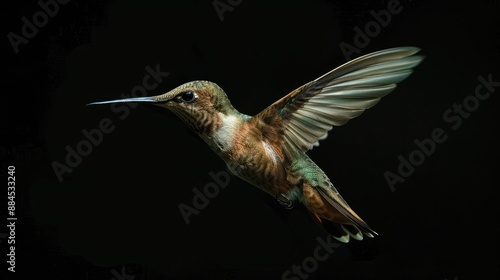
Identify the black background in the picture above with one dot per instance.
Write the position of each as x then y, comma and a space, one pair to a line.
118, 209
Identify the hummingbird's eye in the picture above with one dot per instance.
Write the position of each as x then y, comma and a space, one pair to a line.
188, 96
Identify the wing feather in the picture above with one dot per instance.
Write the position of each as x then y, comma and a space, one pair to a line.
311, 110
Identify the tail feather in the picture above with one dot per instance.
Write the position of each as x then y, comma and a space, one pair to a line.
358, 235
342, 232
334, 229
337, 218
341, 207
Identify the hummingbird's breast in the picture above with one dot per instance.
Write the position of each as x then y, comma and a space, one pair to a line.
249, 155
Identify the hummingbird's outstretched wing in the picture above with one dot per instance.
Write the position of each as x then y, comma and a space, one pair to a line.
305, 115
309, 112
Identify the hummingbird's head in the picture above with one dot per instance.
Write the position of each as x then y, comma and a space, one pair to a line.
197, 103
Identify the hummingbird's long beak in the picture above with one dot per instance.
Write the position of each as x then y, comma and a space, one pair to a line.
147, 99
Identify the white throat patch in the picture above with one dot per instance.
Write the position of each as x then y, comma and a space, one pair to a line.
223, 137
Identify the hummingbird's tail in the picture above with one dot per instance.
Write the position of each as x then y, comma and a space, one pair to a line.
334, 214
341, 232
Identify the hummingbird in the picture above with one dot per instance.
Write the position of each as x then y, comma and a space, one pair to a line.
268, 150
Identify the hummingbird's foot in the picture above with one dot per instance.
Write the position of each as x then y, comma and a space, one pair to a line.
284, 201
